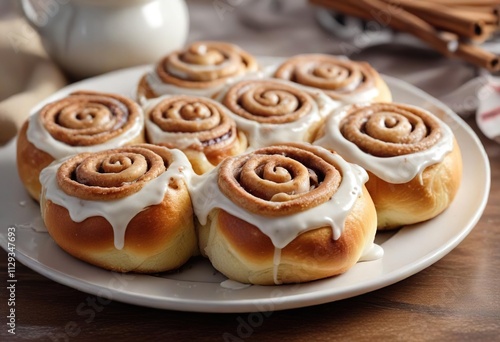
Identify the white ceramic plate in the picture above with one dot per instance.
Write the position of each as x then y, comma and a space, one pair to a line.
197, 286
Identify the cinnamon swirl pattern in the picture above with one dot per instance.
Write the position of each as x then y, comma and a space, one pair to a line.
284, 213
272, 111
340, 78
198, 126
83, 121
201, 69
125, 209
412, 158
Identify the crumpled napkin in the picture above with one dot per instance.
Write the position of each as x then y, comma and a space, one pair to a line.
27, 74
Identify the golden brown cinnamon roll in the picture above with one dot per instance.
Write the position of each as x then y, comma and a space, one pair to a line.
125, 209
82, 121
412, 158
201, 69
270, 111
284, 214
340, 78
199, 126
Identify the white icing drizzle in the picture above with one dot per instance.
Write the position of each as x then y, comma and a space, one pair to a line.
395, 170
207, 196
372, 252
156, 135
160, 88
233, 285
117, 212
199, 68
364, 96
265, 134
268, 71
357, 97
202, 49
276, 264
36, 224
41, 138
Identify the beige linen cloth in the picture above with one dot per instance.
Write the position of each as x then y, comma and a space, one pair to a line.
27, 75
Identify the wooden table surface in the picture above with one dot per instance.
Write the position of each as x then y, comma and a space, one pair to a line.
457, 298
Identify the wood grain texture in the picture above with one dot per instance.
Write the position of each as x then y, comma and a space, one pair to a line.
457, 298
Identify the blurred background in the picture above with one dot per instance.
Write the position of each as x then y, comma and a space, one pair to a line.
262, 27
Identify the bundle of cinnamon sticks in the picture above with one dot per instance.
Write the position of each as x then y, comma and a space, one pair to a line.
455, 28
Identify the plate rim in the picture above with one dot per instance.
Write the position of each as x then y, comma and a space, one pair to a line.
252, 304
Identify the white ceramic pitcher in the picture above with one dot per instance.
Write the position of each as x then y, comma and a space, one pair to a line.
90, 37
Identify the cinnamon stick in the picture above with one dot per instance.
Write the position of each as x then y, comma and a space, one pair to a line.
489, 17
476, 9
488, 31
474, 21
406, 21
343, 7
394, 17
464, 2
444, 18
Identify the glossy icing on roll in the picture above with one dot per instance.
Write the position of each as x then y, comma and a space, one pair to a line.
207, 196
118, 209
233, 285
202, 128
85, 122
271, 111
372, 252
184, 121
159, 87
284, 191
408, 139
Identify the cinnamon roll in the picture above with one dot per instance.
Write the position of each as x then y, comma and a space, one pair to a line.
125, 209
199, 126
340, 78
284, 214
82, 121
270, 111
412, 158
201, 69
